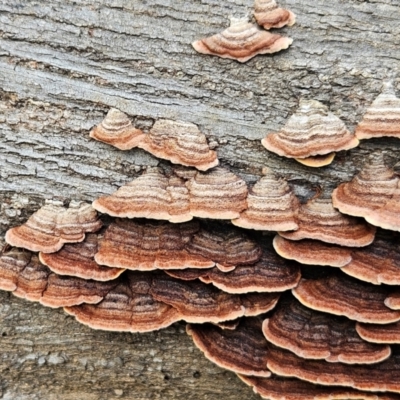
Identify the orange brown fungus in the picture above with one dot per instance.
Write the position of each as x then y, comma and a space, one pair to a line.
312, 252
12, 263
78, 260
181, 143
117, 130
381, 377
272, 206
393, 300
129, 307
146, 246
217, 194
342, 295
382, 118
314, 335
152, 195
317, 219
242, 350
269, 15
311, 131
199, 303
52, 225
228, 248
242, 41
389, 333
372, 194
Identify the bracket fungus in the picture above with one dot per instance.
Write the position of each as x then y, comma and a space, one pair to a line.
269, 15
312, 135
340, 294
52, 225
382, 118
315, 335
117, 130
242, 41
181, 143
393, 300
242, 350
318, 219
388, 333
272, 206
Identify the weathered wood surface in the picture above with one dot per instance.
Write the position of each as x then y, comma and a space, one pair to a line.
63, 64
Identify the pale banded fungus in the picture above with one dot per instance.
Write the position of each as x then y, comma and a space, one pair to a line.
388, 333
242, 41
269, 15
393, 300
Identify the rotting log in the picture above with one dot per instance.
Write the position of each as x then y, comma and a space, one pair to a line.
63, 64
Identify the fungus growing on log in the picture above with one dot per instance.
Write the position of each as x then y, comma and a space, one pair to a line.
242, 41
311, 132
382, 118
342, 295
145, 246
152, 195
78, 260
314, 335
181, 143
317, 219
52, 225
269, 15
117, 130
388, 334
272, 206
242, 350
217, 194
393, 300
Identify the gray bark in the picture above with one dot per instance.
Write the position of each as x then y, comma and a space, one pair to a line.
63, 64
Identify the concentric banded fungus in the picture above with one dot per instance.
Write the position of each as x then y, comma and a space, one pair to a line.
315, 335
242, 350
393, 301
52, 225
146, 246
312, 252
78, 260
152, 195
272, 206
12, 263
269, 15
384, 376
342, 295
389, 333
382, 117
217, 194
311, 131
129, 307
116, 129
242, 41
317, 219
226, 247
181, 143
199, 303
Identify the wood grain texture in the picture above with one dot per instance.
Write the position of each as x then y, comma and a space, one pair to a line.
64, 64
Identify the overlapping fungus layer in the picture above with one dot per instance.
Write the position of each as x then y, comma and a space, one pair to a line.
269, 15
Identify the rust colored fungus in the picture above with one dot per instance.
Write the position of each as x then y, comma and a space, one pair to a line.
342, 295
393, 301
382, 118
242, 41
78, 260
311, 131
181, 143
317, 161
272, 206
199, 303
381, 377
389, 333
12, 263
312, 252
227, 247
277, 388
317, 219
152, 195
145, 246
217, 194
269, 15
52, 225
315, 335
242, 350
128, 307
116, 129
369, 192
